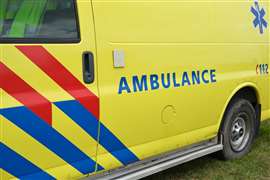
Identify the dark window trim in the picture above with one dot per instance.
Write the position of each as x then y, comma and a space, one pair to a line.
48, 40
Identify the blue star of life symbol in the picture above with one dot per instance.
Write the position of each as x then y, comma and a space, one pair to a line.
259, 17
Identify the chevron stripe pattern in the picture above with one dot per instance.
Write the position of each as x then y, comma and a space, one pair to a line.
44, 124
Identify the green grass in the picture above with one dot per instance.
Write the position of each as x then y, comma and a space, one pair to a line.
256, 165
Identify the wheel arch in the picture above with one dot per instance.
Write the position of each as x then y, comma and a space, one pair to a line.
248, 91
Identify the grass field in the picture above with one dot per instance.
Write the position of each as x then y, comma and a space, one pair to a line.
256, 165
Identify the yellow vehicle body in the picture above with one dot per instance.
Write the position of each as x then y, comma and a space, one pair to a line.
183, 63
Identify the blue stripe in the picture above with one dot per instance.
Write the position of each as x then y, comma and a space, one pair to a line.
91, 125
18, 166
49, 137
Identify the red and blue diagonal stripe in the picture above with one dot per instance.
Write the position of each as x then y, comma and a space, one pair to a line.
35, 115
85, 110
64, 78
35, 118
25, 94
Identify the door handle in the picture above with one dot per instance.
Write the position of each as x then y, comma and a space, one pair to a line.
88, 67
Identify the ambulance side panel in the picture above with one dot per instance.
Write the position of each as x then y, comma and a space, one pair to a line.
158, 37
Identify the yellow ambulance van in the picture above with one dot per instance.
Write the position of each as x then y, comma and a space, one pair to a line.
122, 89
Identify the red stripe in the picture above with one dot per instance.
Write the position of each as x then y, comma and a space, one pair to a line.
53, 68
20, 90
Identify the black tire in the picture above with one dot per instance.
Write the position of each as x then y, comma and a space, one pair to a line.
238, 129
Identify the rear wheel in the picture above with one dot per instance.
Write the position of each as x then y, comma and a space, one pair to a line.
238, 129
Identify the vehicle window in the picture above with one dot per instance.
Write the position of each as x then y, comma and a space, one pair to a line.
50, 20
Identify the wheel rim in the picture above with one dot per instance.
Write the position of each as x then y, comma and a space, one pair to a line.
240, 132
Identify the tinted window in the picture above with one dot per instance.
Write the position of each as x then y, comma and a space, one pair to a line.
38, 20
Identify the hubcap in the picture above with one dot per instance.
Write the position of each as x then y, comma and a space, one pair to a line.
240, 132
